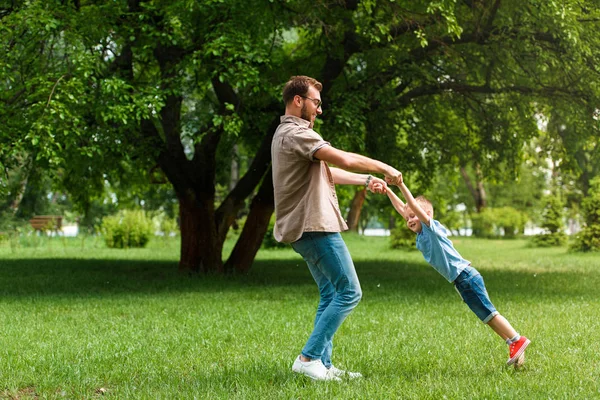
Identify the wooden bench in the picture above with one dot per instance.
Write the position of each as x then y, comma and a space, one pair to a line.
46, 222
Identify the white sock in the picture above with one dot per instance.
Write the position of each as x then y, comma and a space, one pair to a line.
514, 339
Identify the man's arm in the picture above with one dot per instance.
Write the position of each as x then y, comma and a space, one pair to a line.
412, 203
356, 162
341, 177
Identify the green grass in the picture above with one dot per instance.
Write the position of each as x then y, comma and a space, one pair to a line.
78, 320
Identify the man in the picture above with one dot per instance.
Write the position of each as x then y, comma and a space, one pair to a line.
308, 216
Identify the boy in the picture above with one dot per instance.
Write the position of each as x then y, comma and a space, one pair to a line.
439, 252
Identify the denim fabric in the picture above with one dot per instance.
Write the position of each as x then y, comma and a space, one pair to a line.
471, 288
332, 268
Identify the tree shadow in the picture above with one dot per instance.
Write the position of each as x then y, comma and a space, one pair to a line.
93, 278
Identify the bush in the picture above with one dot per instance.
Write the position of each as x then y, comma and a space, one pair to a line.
589, 237
128, 228
452, 220
489, 222
550, 239
552, 222
512, 221
403, 238
483, 224
269, 241
167, 226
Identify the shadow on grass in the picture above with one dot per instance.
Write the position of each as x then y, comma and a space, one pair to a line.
93, 278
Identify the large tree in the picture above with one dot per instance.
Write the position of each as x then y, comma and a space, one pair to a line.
103, 91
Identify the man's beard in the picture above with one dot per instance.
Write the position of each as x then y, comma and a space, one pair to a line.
305, 115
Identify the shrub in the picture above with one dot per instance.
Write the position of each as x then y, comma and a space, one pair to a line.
403, 238
489, 222
512, 221
128, 228
452, 220
166, 225
589, 237
269, 241
552, 222
550, 239
483, 224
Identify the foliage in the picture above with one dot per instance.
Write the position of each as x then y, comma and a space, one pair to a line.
483, 224
493, 222
588, 239
126, 229
402, 238
525, 191
553, 224
269, 241
550, 239
9, 223
96, 92
510, 220
166, 225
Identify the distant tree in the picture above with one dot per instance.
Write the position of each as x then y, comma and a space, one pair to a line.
94, 90
552, 223
589, 237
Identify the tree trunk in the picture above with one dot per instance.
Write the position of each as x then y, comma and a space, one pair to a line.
392, 222
235, 168
477, 190
16, 203
201, 250
257, 224
364, 221
355, 209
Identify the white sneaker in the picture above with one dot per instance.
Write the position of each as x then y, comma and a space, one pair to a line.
314, 370
340, 373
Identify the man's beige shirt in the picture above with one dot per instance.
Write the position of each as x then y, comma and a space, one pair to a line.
305, 199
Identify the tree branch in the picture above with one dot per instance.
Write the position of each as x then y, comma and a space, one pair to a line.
52, 92
485, 89
14, 98
227, 211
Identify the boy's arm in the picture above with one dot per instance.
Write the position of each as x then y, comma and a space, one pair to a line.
396, 202
410, 200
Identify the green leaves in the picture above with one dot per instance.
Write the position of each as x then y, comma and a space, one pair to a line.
426, 86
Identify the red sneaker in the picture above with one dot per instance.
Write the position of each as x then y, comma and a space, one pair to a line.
516, 349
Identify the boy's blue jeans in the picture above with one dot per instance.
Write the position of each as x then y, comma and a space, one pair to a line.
469, 284
332, 268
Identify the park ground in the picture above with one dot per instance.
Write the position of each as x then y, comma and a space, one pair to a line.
78, 320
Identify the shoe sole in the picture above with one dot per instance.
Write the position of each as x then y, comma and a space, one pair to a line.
520, 361
334, 379
516, 356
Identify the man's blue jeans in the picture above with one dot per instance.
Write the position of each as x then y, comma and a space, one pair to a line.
332, 268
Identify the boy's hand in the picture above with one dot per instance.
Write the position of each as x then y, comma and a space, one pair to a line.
392, 175
394, 180
377, 185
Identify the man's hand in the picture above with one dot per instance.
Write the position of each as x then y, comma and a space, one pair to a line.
377, 185
393, 177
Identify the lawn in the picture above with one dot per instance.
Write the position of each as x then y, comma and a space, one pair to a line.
78, 320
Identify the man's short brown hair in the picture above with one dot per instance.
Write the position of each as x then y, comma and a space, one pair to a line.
298, 86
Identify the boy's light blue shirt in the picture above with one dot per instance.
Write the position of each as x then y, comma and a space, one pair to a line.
439, 251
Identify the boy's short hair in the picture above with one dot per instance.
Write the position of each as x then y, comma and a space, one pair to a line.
298, 86
424, 203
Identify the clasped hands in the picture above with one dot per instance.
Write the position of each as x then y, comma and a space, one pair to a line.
379, 186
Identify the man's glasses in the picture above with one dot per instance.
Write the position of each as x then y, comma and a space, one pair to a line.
316, 102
